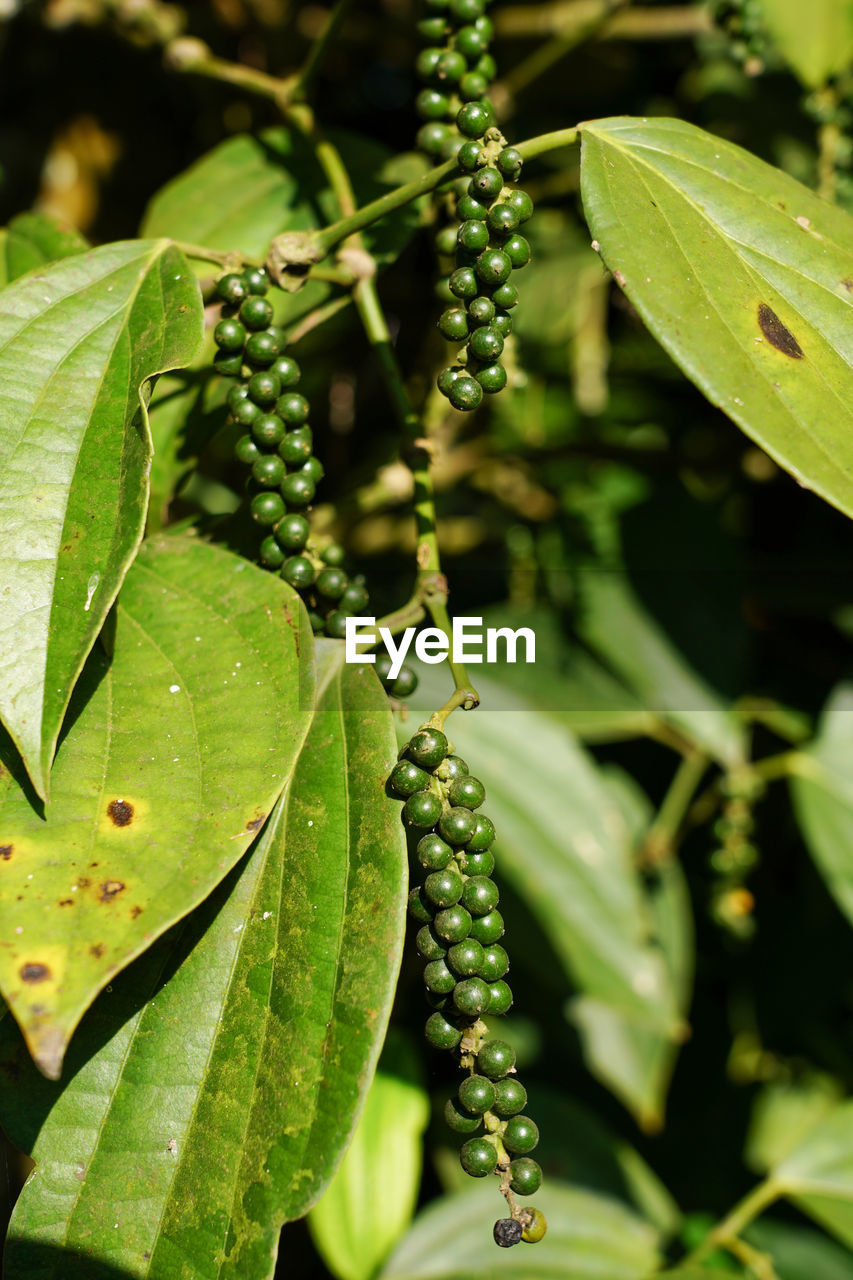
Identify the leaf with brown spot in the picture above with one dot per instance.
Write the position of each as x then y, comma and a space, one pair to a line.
196, 721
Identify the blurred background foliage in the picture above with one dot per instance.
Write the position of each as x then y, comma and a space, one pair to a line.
692, 606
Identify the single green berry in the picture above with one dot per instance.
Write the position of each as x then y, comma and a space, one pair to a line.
293, 408
245, 450
451, 66
466, 958
465, 394
463, 283
495, 1059
356, 599
231, 288
228, 365
481, 310
480, 895
453, 924
493, 267
298, 571
256, 313
270, 553
485, 344
473, 236
520, 1135
432, 137
268, 430
432, 104
288, 371
505, 296
419, 908
474, 118
445, 240
459, 1120
485, 26
297, 489
502, 323
521, 204
487, 929
405, 684
517, 249
467, 10
246, 412
484, 834
264, 388
333, 554
433, 854
257, 280
440, 1033
336, 624
502, 219
426, 63
438, 978
507, 1232
472, 87
406, 778
428, 945
451, 768
237, 395
534, 1225
432, 28
295, 447
481, 863
510, 163
486, 66
229, 335
268, 470
456, 826
526, 1177
510, 1096
478, 1157
291, 533
492, 378
469, 209
332, 583
266, 508
422, 810
486, 183
453, 324
471, 996
472, 44
468, 156
476, 1094
263, 348
500, 998
313, 468
443, 888
495, 962
427, 747
446, 379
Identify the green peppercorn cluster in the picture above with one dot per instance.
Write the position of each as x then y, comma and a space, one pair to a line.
743, 23
456, 69
459, 932
735, 856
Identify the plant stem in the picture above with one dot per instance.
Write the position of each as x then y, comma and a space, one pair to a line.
665, 23
745, 1211
660, 839
304, 80
330, 236
585, 22
548, 142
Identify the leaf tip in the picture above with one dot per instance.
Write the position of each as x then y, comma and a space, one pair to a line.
47, 1047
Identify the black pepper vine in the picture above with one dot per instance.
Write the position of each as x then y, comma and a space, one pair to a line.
459, 932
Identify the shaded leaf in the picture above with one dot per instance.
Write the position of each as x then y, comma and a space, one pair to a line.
35, 239
743, 275
588, 1236
799, 1253
818, 45
783, 1113
176, 752
818, 1174
78, 344
371, 1199
231, 1061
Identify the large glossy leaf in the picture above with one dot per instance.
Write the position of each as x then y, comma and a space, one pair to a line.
822, 790
588, 1236
799, 1253
34, 239
817, 44
230, 1063
743, 275
176, 752
79, 343
371, 1199
818, 1174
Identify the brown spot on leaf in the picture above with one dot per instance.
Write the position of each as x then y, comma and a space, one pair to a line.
135, 912
777, 334
97, 950
6, 851
848, 285
66, 902
83, 882
33, 972
121, 812
110, 889
256, 823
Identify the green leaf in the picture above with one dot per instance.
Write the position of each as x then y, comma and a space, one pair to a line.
783, 1113
797, 1252
216, 1084
653, 668
34, 239
79, 343
743, 275
822, 790
371, 1199
589, 1236
175, 753
817, 46
818, 1174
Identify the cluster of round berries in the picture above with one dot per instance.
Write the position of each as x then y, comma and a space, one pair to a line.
460, 925
457, 70
743, 23
735, 856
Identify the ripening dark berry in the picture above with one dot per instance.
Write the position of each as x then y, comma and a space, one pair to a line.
471, 996
517, 250
405, 684
245, 450
246, 412
433, 854
332, 583
459, 1120
443, 888
486, 184
257, 280
500, 998
336, 624
419, 908
270, 553
526, 1176
510, 1096
456, 826
432, 104
293, 408
256, 313
355, 599
481, 863
268, 470
521, 1135
229, 335
487, 929
228, 365
507, 1232
264, 388
291, 533
493, 267
295, 447
298, 571
495, 1059
453, 324
440, 1033
463, 283
484, 834
474, 118
268, 430
502, 219
466, 958
495, 962
453, 924
422, 810
480, 895
266, 508
472, 88
485, 344
406, 778
465, 393
476, 1094
478, 1157
468, 156
534, 1226
451, 66
231, 288
298, 489
427, 747
492, 378
521, 204
473, 236
429, 946
438, 978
